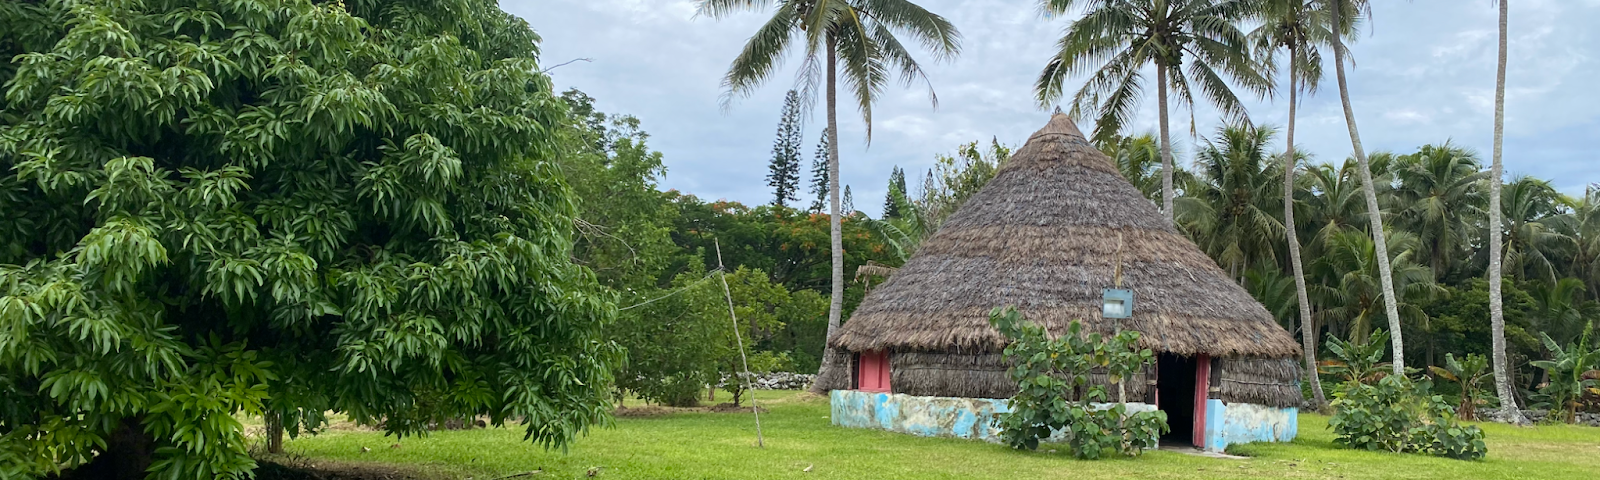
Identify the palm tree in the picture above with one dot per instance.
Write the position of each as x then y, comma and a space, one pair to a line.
1121, 37
1440, 196
1581, 224
1531, 224
861, 34
1559, 309
1354, 296
1138, 157
1227, 208
1343, 13
1497, 317
1299, 28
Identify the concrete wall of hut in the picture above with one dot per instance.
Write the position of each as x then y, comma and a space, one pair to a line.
976, 418
1231, 423
971, 418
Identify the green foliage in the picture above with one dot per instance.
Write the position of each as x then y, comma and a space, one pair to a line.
225, 208
684, 341
1396, 414
1469, 374
1234, 202
1566, 370
1048, 372
1358, 361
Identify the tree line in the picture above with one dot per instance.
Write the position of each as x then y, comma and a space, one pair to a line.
1210, 51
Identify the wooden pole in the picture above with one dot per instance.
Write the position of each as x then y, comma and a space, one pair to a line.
722, 273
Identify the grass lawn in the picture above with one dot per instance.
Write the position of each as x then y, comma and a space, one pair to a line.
798, 435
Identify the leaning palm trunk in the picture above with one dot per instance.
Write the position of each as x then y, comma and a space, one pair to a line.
1370, 191
1497, 320
833, 374
1166, 144
1308, 330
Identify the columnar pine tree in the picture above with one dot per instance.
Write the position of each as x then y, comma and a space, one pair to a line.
819, 175
849, 203
897, 190
783, 172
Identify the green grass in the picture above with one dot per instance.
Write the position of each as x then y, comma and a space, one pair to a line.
798, 434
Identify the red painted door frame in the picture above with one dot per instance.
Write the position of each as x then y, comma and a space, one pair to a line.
1202, 379
873, 374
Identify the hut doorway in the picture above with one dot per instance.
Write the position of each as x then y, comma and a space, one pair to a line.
1175, 394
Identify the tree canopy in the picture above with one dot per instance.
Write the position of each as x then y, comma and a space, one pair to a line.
285, 207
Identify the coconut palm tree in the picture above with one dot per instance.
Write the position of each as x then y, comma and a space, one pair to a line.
1115, 40
1497, 317
1343, 14
1138, 157
862, 36
1531, 223
1299, 29
1581, 224
1354, 298
1228, 207
1441, 199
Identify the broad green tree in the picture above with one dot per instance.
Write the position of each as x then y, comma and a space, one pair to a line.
1343, 14
1299, 29
243, 207
1116, 39
863, 35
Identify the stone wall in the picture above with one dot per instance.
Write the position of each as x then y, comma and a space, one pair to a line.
974, 418
1230, 423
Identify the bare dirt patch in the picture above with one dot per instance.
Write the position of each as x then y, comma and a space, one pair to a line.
333, 470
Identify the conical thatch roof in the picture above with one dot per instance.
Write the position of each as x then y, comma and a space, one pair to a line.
1043, 236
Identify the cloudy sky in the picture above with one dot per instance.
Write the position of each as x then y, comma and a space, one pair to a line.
1424, 74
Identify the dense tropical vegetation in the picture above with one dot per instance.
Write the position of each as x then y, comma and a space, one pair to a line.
383, 211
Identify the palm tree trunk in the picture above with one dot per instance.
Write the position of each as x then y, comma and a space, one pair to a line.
1497, 319
1166, 145
1307, 329
1370, 191
832, 374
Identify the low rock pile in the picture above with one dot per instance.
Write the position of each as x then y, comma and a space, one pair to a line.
1540, 416
782, 381
1586, 419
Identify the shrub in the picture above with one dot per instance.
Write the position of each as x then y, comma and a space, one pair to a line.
1469, 374
1397, 414
1048, 370
1567, 370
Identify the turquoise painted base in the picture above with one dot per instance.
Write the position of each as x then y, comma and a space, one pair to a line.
1231, 423
976, 418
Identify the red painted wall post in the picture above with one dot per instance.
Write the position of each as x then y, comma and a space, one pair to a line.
1202, 389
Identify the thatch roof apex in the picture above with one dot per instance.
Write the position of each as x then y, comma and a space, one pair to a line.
1044, 236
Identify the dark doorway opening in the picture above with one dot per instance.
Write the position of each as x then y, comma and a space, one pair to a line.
1175, 388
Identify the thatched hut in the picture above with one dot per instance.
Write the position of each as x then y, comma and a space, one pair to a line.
1046, 236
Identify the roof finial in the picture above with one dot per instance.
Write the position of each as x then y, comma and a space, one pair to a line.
1058, 110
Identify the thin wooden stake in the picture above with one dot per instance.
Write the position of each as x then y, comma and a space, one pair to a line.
722, 273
